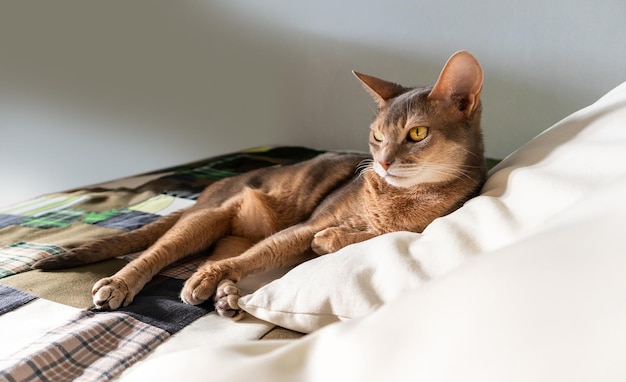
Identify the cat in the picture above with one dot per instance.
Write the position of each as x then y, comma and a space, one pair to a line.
427, 159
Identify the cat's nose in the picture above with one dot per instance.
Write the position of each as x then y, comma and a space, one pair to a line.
384, 164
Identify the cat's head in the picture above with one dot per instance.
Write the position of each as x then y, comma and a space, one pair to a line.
428, 134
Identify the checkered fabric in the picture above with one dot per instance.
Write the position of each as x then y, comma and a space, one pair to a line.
92, 347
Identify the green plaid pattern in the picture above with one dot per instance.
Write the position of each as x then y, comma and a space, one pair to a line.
97, 217
56, 219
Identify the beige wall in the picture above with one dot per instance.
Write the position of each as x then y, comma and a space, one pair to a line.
125, 87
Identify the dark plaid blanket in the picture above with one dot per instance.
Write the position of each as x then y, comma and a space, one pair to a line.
91, 344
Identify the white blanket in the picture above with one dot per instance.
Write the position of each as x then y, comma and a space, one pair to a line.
526, 282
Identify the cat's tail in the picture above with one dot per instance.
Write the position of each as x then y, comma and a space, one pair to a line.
112, 246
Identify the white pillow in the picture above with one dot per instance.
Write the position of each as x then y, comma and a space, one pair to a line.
523, 194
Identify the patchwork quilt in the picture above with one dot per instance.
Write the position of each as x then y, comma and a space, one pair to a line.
79, 342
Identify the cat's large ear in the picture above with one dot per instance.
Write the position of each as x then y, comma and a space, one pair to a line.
460, 82
381, 90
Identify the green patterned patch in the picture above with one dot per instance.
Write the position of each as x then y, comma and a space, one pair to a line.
55, 219
97, 217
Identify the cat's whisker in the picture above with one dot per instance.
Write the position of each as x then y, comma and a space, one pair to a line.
365, 166
464, 169
446, 170
450, 165
374, 111
365, 163
408, 106
451, 171
469, 152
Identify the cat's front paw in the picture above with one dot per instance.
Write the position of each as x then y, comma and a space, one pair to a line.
199, 287
226, 298
111, 293
326, 241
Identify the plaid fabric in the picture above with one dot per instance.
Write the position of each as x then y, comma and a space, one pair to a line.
184, 269
98, 345
127, 220
93, 347
180, 270
20, 256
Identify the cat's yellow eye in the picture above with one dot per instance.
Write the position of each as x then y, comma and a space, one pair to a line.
418, 133
378, 136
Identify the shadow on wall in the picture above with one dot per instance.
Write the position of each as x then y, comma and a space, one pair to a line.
137, 87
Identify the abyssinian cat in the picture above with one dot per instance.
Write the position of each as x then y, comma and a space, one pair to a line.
426, 161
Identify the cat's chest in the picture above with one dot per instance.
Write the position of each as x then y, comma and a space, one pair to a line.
389, 217
390, 209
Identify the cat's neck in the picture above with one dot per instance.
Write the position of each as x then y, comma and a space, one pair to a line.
390, 208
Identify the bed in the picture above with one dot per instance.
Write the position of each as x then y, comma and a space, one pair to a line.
524, 282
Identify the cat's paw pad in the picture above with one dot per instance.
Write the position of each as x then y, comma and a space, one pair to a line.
198, 288
111, 293
326, 241
226, 298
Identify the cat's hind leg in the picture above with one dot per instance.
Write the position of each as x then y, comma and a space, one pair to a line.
111, 246
195, 231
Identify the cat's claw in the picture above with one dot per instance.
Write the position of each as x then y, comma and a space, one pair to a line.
226, 298
111, 293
